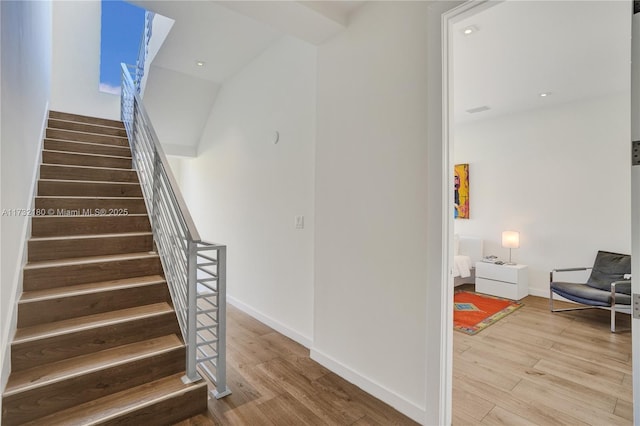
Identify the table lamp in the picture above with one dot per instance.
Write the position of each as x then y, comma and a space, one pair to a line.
510, 240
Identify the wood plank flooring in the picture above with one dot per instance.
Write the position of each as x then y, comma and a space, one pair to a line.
535, 367
274, 382
531, 368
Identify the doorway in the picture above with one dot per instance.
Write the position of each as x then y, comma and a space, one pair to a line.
451, 18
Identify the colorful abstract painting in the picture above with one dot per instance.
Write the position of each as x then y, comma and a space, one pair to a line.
461, 191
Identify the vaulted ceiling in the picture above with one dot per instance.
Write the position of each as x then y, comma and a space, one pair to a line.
571, 49
225, 36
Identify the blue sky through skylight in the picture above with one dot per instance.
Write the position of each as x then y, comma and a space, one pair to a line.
121, 32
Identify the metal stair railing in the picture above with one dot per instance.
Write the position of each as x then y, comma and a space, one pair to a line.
195, 270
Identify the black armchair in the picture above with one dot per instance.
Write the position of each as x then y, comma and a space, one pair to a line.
608, 286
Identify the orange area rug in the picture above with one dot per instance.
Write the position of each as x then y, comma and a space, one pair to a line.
473, 312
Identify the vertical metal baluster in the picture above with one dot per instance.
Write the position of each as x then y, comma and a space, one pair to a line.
155, 213
222, 389
168, 215
192, 295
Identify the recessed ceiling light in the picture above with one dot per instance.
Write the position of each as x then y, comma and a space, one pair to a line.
545, 94
469, 30
200, 63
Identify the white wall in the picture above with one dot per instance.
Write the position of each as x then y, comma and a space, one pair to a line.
560, 176
76, 61
160, 28
371, 203
178, 105
244, 191
25, 86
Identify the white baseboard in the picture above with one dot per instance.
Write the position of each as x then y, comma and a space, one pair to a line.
276, 325
16, 287
407, 408
539, 292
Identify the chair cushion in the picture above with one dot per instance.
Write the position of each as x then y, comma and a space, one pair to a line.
587, 295
607, 268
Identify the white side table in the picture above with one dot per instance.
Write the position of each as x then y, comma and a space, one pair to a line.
510, 281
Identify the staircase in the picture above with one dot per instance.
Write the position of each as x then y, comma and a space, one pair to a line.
97, 339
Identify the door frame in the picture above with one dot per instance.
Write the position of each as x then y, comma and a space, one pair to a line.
442, 16
635, 209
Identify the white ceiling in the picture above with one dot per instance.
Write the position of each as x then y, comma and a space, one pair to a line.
574, 49
226, 35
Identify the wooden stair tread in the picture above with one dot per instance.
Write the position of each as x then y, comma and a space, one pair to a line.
42, 375
62, 124
89, 259
111, 406
80, 118
90, 182
78, 132
85, 154
89, 236
63, 121
74, 166
42, 331
88, 197
80, 289
90, 144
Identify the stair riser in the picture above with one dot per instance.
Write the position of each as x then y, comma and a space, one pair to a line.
85, 127
53, 157
85, 137
46, 311
86, 148
78, 247
31, 354
88, 189
73, 224
85, 119
132, 206
48, 171
30, 405
59, 276
167, 412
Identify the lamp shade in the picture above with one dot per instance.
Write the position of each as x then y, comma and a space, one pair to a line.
510, 239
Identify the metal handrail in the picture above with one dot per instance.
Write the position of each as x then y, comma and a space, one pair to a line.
197, 282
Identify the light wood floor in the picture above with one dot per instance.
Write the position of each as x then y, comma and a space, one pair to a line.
274, 382
530, 368
535, 367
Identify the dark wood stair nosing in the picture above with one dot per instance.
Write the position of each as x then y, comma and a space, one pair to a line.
101, 366
88, 146
83, 133
86, 154
75, 166
89, 236
61, 123
70, 388
91, 259
91, 322
103, 410
80, 118
89, 288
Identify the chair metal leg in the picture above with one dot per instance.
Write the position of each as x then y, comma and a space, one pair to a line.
613, 307
613, 318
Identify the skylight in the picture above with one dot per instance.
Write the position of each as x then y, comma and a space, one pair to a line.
121, 32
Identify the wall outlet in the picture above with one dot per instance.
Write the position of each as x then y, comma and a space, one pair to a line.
299, 222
